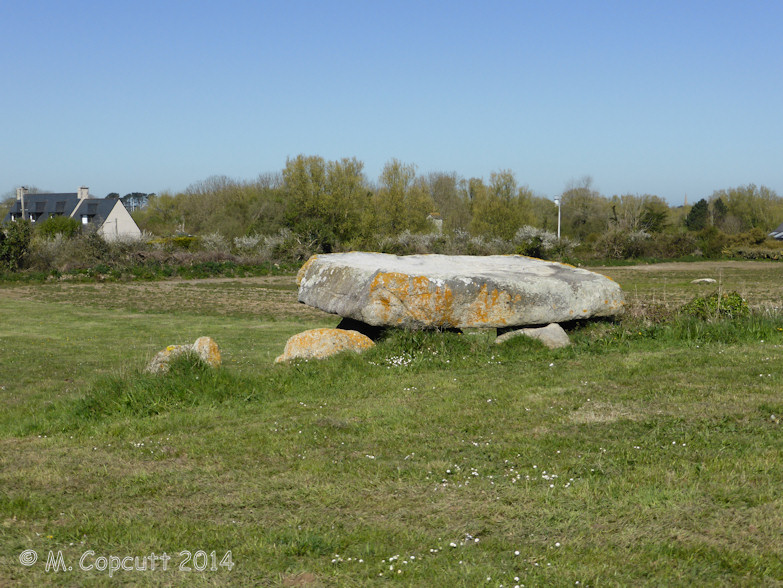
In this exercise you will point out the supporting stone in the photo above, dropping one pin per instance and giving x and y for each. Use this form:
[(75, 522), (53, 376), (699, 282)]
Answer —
[(552, 335)]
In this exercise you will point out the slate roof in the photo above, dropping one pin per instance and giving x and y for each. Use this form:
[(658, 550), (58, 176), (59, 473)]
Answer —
[(42, 206)]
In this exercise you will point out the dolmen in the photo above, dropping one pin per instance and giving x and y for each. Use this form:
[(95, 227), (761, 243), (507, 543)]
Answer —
[(374, 291), (454, 291)]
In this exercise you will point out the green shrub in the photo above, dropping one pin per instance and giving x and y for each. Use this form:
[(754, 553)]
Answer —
[(717, 305), (542, 244), (621, 244), (58, 225), (754, 253), (15, 240), (752, 238), (672, 245), (178, 242)]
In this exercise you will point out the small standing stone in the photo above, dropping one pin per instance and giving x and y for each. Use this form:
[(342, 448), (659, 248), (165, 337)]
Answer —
[(205, 347), (323, 343)]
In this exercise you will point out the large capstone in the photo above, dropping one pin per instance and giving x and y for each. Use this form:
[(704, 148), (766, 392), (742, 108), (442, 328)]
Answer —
[(454, 291)]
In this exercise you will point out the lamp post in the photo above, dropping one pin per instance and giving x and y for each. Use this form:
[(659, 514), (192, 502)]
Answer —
[(557, 201)]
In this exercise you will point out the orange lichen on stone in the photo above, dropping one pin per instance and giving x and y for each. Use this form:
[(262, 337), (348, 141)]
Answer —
[(323, 343), (490, 307), (398, 297), (302, 270), (205, 347), (207, 350), (420, 298)]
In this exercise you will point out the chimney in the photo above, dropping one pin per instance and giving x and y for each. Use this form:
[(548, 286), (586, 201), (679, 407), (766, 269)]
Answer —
[(20, 192), (83, 192)]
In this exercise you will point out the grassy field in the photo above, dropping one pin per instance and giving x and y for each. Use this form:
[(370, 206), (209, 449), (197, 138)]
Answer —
[(645, 454)]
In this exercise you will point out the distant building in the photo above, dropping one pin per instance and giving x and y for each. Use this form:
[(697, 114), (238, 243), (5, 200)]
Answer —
[(109, 217), (437, 221)]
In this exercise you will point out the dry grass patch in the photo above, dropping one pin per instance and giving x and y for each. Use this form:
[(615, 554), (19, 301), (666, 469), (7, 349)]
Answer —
[(602, 412)]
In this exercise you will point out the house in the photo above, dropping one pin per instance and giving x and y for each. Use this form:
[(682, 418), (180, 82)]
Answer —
[(437, 220), (109, 217), (777, 233)]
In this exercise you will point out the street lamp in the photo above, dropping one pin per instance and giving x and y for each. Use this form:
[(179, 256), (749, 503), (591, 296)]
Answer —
[(557, 201)]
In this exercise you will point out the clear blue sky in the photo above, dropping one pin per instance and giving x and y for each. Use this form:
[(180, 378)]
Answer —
[(668, 97)]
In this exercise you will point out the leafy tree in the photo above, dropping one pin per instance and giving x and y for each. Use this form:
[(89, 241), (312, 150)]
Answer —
[(655, 215), (113, 196), (698, 216), (544, 213), (231, 207), (633, 213), (419, 207), (304, 186), (15, 240), (347, 197), (134, 200), (502, 209), (211, 205), (719, 212), (627, 211), (750, 206), (324, 200), (585, 212), (473, 189), (395, 181), (450, 201), (163, 214), (400, 202), (6, 204), (58, 225), (266, 211)]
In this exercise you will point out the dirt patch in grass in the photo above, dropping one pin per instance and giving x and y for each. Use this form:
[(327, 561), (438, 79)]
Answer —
[(303, 579)]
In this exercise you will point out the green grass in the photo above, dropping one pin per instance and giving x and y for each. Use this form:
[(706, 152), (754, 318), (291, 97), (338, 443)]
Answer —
[(645, 454)]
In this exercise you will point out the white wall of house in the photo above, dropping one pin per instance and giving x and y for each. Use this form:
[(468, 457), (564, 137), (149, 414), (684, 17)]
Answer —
[(119, 225)]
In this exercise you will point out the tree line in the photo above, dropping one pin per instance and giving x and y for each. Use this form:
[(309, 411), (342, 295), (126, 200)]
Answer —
[(333, 206), (316, 205)]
